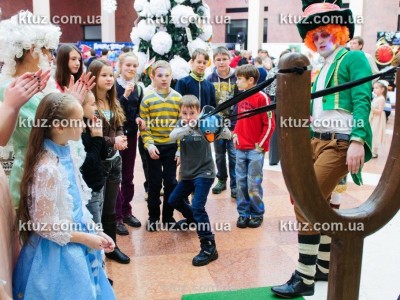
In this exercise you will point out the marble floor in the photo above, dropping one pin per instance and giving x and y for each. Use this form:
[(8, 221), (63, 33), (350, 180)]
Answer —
[(161, 269)]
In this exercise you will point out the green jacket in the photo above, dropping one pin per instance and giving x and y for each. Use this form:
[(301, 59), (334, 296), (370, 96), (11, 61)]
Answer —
[(346, 67)]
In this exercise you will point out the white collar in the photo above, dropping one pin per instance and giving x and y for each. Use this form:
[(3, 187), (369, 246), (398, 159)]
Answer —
[(123, 82)]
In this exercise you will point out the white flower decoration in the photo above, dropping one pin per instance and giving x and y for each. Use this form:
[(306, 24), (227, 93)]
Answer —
[(207, 32), (195, 1), (142, 60), (138, 5), (180, 1), (160, 7), (146, 11), (182, 16), (135, 36), (204, 11), (146, 29), (197, 44), (180, 67), (161, 42)]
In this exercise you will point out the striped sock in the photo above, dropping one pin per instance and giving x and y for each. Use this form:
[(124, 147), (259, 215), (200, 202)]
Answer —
[(308, 251), (324, 254)]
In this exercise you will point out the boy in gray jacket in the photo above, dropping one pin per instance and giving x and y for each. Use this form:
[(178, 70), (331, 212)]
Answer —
[(198, 174)]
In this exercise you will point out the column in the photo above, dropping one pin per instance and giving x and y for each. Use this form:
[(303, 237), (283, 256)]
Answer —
[(107, 25), (357, 7), (255, 28), (41, 8)]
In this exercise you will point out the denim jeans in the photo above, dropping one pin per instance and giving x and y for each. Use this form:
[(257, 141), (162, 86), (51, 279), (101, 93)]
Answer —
[(197, 211), (95, 205), (249, 176), (221, 147), (162, 171)]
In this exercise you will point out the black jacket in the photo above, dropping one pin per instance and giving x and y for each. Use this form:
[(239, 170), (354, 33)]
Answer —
[(92, 168)]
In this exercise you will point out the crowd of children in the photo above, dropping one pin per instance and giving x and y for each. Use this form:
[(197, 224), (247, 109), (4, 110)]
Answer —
[(79, 171)]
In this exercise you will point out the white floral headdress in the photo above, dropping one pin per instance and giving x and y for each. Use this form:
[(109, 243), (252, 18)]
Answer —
[(16, 35), (383, 82)]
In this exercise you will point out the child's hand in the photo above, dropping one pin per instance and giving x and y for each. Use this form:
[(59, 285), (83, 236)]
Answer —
[(110, 243), (235, 140), (96, 127), (141, 123), (153, 152), (120, 139), (95, 241), (130, 87), (178, 160), (259, 149)]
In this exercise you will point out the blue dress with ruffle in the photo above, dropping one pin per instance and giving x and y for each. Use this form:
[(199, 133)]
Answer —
[(47, 270)]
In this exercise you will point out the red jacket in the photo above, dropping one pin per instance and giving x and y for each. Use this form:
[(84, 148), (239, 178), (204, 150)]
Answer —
[(234, 62), (257, 129)]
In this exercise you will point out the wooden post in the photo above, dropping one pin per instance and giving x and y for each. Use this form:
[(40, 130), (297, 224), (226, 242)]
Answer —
[(293, 107)]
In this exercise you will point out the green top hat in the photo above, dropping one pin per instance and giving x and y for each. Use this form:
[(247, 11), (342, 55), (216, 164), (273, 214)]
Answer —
[(319, 13)]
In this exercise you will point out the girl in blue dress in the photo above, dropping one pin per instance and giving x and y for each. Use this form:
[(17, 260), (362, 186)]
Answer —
[(62, 253)]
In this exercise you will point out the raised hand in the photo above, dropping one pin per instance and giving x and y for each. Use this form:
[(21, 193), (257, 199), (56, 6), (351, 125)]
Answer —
[(81, 87), (24, 87)]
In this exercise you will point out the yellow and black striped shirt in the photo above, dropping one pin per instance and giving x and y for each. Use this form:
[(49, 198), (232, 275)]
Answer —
[(161, 115)]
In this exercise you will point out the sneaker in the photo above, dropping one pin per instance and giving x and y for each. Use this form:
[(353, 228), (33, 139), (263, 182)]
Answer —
[(233, 193), (121, 228), (219, 187), (255, 222), (242, 222)]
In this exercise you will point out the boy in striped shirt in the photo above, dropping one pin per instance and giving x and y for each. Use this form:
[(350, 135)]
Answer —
[(251, 139), (160, 110)]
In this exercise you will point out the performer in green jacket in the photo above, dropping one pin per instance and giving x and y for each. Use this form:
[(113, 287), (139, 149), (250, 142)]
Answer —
[(340, 130)]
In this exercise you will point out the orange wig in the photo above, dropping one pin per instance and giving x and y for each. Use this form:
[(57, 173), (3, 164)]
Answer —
[(340, 35)]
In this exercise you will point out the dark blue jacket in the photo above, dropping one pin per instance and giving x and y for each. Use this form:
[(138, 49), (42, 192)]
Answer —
[(263, 75), (203, 90), (130, 107)]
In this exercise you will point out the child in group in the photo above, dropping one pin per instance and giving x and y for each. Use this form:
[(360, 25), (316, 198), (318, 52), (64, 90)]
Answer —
[(15, 96), (198, 174), (377, 117), (195, 83), (251, 139), (68, 62), (160, 110), (61, 260), (130, 95), (224, 80), (96, 151), (112, 117)]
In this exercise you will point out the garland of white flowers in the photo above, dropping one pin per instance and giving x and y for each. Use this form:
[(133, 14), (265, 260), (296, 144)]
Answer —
[(15, 37), (171, 30)]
